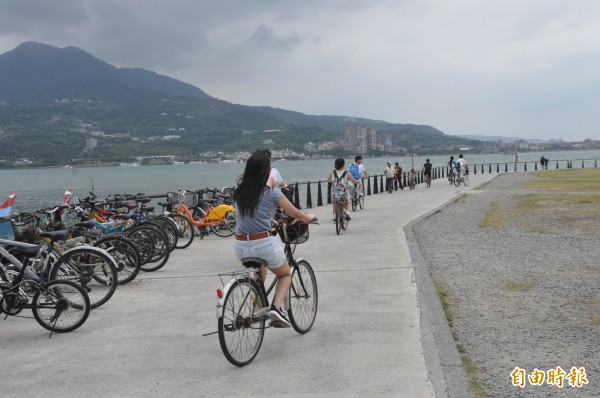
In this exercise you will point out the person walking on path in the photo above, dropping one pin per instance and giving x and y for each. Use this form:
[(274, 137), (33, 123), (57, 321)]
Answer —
[(398, 177), (389, 177)]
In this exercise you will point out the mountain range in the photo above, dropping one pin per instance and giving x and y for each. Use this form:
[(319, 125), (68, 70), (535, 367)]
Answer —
[(55, 97)]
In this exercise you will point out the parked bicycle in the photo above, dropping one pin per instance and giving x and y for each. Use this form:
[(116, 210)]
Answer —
[(58, 305), (244, 300)]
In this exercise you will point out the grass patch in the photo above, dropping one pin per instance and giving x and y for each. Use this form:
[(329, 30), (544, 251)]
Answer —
[(471, 370), (445, 300), (460, 197), (517, 286), (570, 173), (494, 218), (556, 185)]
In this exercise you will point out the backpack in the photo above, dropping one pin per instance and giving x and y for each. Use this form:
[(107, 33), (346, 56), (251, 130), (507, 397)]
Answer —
[(339, 190), (354, 170)]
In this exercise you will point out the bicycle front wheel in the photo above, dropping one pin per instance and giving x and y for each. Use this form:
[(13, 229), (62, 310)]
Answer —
[(457, 181), (303, 296), (61, 306), (185, 230), (240, 332), (125, 254), (361, 201), (466, 180)]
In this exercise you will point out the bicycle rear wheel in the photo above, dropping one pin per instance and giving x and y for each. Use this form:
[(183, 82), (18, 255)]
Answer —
[(61, 306), (354, 201), (457, 181), (338, 219), (227, 227), (303, 296), (91, 268), (240, 332), (466, 180)]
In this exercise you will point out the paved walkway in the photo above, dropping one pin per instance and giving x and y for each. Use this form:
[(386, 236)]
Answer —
[(369, 337)]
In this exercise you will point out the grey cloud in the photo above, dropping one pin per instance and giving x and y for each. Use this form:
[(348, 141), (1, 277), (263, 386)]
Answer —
[(265, 37)]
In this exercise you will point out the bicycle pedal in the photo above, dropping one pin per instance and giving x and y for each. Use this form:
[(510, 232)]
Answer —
[(277, 324)]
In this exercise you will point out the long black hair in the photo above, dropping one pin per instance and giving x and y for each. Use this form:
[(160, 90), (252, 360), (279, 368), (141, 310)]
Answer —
[(252, 183)]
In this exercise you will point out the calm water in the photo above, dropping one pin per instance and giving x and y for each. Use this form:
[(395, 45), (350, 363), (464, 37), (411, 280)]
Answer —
[(37, 188)]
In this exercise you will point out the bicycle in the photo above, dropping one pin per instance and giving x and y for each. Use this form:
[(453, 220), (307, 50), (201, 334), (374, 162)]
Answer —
[(220, 219), (243, 301), (461, 177), (341, 218), (58, 305), (427, 180)]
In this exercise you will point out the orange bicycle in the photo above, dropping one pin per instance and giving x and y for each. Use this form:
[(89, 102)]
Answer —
[(205, 218)]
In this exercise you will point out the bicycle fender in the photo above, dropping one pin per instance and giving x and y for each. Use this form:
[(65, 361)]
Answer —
[(219, 212), (96, 249), (221, 301)]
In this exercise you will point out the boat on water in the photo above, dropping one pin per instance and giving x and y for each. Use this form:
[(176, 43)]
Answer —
[(133, 164), (178, 163)]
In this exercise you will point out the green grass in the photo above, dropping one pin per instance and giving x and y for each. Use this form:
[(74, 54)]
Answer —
[(517, 286), (570, 173)]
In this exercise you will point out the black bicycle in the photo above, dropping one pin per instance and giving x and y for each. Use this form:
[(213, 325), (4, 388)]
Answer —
[(243, 301), (58, 305)]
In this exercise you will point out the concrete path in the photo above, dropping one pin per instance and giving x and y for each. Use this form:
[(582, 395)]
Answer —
[(369, 337)]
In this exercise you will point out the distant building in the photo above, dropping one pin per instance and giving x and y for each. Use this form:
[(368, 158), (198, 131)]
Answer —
[(90, 144), (360, 139)]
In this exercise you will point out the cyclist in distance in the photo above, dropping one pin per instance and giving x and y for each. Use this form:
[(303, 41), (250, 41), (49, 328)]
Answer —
[(338, 178), (255, 204), (357, 169), (462, 164), (451, 168)]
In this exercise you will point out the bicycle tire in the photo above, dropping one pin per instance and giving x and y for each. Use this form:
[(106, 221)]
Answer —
[(125, 254), (304, 297), (457, 181), (169, 228), (354, 203), (160, 254), (92, 269), (65, 306), (466, 180), (338, 225), (240, 334), (199, 215), (7, 279), (142, 241), (361, 201), (185, 231), (227, 227)]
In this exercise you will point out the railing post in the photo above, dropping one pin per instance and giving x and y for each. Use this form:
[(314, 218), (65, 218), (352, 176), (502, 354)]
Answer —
[(368, 186), (595, 162), (490, 168), (308, 196), (381, 182), (375, 186), (404, 182), (319, 195), (557, 165), (481, 168), (582, 164), (328, 192), (535, 165), (297, 196), (506, 167), (497, 167), (525, 166)]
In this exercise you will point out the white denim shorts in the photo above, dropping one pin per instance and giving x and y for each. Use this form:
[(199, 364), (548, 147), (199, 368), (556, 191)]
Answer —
[(269, 249)]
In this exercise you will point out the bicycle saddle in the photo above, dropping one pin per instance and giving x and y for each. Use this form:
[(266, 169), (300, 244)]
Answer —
[(55, 235), (253, 262), (29, 251), (86, 224)]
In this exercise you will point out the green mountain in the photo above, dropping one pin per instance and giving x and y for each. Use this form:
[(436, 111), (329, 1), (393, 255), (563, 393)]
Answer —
[(54, 102)]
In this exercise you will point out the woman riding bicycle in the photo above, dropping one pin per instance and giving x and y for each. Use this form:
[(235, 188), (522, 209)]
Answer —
[(255, 204)]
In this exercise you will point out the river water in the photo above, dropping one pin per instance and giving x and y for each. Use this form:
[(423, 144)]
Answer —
[(37, 188)]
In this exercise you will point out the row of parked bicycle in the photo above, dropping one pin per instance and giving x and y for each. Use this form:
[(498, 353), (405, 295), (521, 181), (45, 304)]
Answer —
[(61, 262)]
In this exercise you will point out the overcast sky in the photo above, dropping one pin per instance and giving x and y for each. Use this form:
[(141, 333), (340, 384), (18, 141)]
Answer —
[(507, 67)]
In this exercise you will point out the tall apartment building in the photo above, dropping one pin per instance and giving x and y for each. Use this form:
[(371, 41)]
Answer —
[(360, 139)]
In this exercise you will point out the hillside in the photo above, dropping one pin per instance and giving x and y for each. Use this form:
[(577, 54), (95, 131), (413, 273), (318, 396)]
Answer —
[(53, 98)]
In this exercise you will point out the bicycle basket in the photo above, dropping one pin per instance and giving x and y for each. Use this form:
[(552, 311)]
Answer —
[(24, 232), (190, 199), (295, 233), (172, 198)]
